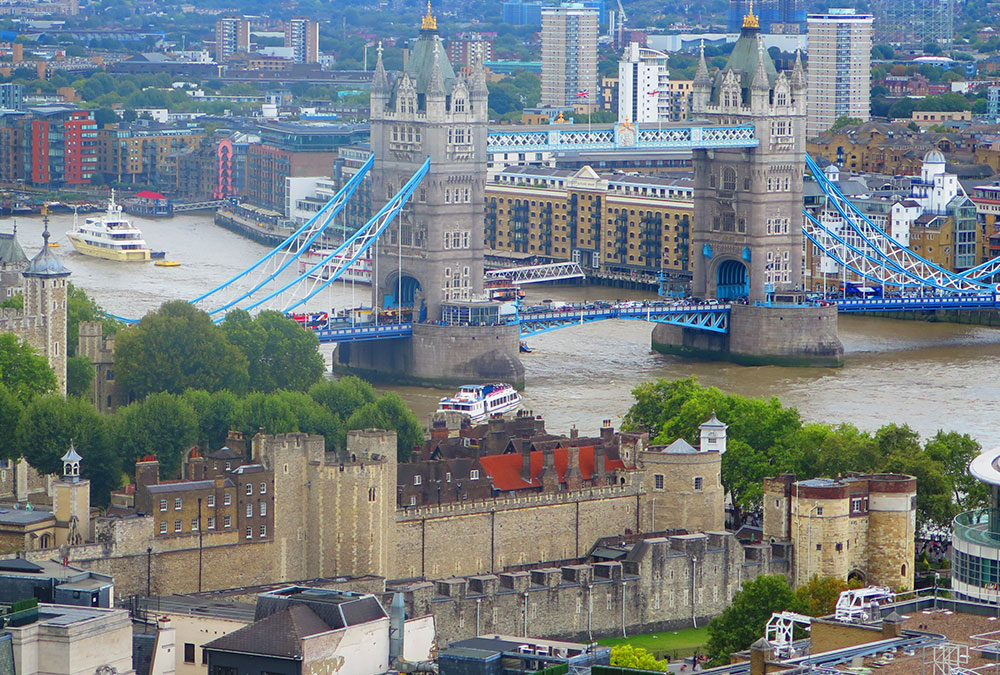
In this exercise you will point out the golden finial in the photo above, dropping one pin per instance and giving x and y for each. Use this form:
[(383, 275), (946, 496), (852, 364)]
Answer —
[(750, 21), (429, 22), (560, 119)]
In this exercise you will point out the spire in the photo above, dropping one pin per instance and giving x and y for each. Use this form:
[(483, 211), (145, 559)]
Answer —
[(435, 85), (380, 81), (760, 80), (44, 264), (478, 85), (798, 72), (429, 22), (701, 75), (749, 21)]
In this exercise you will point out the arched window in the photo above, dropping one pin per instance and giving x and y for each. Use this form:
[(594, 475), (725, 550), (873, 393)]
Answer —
[(729, 179)]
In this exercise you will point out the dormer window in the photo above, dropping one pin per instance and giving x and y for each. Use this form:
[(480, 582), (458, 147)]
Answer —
[(459, 105)]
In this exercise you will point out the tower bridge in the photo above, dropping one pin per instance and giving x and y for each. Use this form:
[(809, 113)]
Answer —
[(430, 145)]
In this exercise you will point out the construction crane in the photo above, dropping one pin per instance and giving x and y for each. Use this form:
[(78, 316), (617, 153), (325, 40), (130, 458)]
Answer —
[(621, 13)]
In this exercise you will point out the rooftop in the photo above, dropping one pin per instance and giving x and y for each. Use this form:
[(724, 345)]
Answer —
[(195, 606), (505, 470)]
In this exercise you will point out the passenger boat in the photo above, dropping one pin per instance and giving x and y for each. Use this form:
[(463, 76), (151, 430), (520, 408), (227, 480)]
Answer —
[(503, 290), (110, 236), (359, 272), (480, 401), (524, 348)]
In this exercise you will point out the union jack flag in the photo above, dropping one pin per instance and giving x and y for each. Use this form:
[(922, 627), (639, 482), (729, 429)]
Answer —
[(583, 93), (654, 93)]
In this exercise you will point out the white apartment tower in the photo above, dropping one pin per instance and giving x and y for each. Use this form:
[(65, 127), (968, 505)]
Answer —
[(643, 85), (569, 56), (302, 35), (839, 71)]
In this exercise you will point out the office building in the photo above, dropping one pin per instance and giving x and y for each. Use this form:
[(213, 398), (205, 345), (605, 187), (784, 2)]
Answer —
[(302, 36), (232, 37), (643, 85), (11, 96), (839, 72), (468, 49), (569, 56), (914, 23)]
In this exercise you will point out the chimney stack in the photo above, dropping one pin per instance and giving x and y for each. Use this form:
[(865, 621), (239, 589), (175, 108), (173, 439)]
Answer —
[(526, 462), (574, 479), (600, 477), (607, 431), (549, 478)]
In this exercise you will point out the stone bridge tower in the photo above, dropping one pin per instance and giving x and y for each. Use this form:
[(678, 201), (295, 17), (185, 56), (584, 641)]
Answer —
[(747, 235), (429, 111)]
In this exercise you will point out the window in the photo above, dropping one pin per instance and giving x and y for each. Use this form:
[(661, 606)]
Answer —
[(249, 488), (658, 481), (698, 483), (819, 547), (163, 527), (194, 524), (474, 474), (263, 509), (177, 504), (263, 488), (249, 510), (211, 522), (163, 504), (413, 500), (839, 546), (263, 531), (417, 479), (227, 521), (447, 477), (177, 526), (819, 510), (856, 504), (211, 501), (227, 499), (249, 533), (188, 652)]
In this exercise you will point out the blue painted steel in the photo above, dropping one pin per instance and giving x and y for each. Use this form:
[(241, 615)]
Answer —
[(343, 194), (733, 281), (364, 332), (713, 318), (573, 138), (929, 302)]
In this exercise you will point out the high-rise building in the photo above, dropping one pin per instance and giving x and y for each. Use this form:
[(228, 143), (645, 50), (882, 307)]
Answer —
[(302, 35), (914, 23), (468, 49), (643, 85), (775, 16), (839, 73), (11, 96), (569, 56), (232, 36)]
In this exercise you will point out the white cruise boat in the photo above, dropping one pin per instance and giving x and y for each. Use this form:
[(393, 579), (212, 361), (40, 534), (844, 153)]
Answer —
[(110, 236), (359, 272), (480, 401)]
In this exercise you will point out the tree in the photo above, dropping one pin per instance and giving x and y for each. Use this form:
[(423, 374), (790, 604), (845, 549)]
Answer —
[(51, 423), (627, 656), (280, 354), (163, 425), (342, 397), (22, 371), (267, 413), (175, 348), (11, 412), (389, 412), (744, 620), (216, 412), (845, 121), (314, 418), (79, 376), (819, 595), (954, 452)]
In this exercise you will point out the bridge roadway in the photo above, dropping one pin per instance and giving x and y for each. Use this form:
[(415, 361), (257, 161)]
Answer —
[(713, 317)]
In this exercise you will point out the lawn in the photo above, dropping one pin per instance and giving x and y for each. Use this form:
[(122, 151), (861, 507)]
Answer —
[(668, 643)]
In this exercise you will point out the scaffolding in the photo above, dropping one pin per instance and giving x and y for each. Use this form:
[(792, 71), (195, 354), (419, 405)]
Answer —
[(914, 23)]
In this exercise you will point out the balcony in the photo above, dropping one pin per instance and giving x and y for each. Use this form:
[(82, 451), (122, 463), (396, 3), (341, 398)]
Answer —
[(980, 527)]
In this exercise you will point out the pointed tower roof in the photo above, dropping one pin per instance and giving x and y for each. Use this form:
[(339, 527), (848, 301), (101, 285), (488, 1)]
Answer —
[(380, 80), (435, 84), (746, 55), (11, 252), (760, 75), (713, 422), (71, 455), (44, 264), (798, 72), (701, 76), (478, 79), (426, 50)]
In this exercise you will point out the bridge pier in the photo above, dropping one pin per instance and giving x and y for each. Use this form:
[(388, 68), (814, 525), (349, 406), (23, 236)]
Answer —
[(762, 335), (438, 355)]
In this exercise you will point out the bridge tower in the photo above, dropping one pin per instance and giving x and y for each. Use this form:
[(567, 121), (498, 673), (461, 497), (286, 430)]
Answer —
[(429, 111), (747, 235)]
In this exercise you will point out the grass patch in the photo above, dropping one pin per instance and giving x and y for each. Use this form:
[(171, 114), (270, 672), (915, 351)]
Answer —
[(673, 644)]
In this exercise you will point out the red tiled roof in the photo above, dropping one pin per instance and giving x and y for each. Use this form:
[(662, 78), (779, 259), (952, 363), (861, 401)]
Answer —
[(505, 470), (148, 458)]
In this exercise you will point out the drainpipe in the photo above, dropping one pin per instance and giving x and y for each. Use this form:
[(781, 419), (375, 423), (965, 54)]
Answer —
[(590, 612), (525, 615), (694, 572), (623, 609), (479, 602)]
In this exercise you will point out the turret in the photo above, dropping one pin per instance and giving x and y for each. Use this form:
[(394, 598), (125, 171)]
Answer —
[(380, 86), (435, 94), (701, 88), (760, 86), (479, 93), (798, 79)]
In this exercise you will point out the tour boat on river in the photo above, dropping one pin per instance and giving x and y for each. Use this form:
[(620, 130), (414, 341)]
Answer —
[(110, 236), (480, 401), (360, 271)]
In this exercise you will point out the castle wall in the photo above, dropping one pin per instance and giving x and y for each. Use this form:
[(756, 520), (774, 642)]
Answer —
[(497, 533), (676, 504), (664, 584)]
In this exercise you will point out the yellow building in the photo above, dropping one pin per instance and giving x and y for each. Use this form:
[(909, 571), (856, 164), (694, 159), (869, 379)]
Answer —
[(612, 222), (136, 155), (680, 99)]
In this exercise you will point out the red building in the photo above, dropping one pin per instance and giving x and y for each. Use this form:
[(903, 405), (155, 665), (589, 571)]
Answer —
[(60, 145)]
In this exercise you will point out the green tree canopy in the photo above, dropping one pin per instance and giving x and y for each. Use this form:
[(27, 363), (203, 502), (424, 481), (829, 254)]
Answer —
[(23, 371), (81, 307), (627, 656), (164, 425), (280, 354), (743, 621), (389, 412), (79, 376), (175, 348), (344, 396), (819, 595)]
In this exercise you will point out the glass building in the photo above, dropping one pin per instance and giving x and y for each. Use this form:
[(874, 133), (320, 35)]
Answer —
[(976, 538)]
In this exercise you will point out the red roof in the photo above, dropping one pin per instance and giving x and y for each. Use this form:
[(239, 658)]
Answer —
[(149, 194), (505, 470), (148, 458)]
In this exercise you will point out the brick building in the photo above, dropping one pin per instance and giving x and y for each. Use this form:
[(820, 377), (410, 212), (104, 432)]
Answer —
[(139, 153), (48, 145)]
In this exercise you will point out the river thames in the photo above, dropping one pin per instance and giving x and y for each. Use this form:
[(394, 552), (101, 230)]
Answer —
[(927, 375)]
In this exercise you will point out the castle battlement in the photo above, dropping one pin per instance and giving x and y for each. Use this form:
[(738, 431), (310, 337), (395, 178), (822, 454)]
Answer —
[(516, 502)]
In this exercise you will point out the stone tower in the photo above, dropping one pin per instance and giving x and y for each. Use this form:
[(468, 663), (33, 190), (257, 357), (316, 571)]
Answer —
[(45, 280), (747, 236), (71, 502), (429, 111)]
